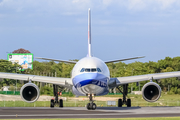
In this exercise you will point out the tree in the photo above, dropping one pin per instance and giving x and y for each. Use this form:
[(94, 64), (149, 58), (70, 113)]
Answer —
[(21, 50), (7, 66), (118, 69)]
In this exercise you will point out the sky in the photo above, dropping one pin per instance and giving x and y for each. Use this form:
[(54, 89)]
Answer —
[(120, 28)]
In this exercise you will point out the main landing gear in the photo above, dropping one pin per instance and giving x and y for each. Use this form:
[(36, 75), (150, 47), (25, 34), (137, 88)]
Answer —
[(55, 102), (124, 90), (91, 105)]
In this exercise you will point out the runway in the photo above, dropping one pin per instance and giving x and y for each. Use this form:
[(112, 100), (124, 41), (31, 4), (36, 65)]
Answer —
[(82, 112)]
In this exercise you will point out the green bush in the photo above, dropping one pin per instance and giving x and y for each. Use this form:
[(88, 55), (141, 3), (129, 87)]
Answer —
[(46, 91), (69, 94)]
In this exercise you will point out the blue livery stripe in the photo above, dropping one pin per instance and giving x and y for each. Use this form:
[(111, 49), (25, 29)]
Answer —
[(94, 82), (90, 78)]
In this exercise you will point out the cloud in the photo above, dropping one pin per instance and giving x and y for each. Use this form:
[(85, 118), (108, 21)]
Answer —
[(73, 7), (164, 4), (45, 5), (140, 5), (107, 2), (135, 4)]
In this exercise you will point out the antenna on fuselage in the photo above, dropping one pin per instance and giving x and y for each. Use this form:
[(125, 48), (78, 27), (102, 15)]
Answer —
[(89, 33)]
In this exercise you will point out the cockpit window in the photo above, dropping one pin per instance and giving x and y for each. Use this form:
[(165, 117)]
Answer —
[(87, 70), (93, 69), (98, 69), (90, 70), (82, 70)]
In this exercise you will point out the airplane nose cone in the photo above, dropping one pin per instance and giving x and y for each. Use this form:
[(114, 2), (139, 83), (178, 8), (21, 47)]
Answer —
[(90, 78), (91, 83)]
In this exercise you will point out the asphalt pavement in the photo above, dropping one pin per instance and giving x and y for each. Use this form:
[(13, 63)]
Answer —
[(82, 112)]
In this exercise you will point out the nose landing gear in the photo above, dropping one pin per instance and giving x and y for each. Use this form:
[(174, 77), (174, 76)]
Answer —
[(91, 105)]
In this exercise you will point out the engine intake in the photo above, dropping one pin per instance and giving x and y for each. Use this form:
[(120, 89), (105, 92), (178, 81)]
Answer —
[(151, 91), (29, 92)]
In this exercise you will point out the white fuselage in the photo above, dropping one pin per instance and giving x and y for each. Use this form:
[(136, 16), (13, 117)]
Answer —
[(90, 75)]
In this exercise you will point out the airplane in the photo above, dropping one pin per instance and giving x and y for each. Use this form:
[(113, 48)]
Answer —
[(90, 77)]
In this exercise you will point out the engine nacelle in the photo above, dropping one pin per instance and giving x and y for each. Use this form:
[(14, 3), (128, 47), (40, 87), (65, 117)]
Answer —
[(151, 91), (29, 92)]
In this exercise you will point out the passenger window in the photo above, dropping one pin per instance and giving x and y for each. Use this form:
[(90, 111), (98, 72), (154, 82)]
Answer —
[(93, 69), (87, 70), (82, 70), (98, 69)]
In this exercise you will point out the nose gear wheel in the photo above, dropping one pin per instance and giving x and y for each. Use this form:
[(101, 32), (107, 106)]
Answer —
[(91, 105)]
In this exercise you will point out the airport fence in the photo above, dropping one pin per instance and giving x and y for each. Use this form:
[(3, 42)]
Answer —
[(10, 92), (77, 103)]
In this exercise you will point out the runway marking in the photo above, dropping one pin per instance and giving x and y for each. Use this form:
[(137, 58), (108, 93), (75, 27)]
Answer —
[(99, 113), (58, 115), (40, 115)]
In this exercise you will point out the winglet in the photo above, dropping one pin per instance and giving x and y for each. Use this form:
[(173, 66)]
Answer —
[(89, 33)]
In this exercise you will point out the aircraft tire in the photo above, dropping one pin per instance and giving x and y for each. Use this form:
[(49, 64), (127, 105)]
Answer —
[(120, 103), (61, 103), (128, 102), (93, 106), (88, 106), (52, 103)]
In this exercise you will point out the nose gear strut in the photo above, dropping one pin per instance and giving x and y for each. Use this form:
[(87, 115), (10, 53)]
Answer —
[(91, 105)]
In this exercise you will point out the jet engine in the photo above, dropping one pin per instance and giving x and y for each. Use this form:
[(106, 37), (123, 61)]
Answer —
[(29, 92), (151, 91)]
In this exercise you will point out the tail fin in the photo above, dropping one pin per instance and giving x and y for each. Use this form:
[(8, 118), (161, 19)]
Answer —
[(89, 33)]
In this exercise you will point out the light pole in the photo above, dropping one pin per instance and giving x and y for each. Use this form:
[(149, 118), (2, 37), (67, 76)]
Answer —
[(14, 88), (16, 79), (132, 83), (139, 86)]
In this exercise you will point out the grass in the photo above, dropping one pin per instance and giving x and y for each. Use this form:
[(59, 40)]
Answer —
[(80, 104), (68, 103), (137, 100), (153, 118)]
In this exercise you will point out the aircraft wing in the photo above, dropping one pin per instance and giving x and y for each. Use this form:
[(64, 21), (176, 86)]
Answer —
[(66, 61), (113, 82), (66, 82), (124, 59)]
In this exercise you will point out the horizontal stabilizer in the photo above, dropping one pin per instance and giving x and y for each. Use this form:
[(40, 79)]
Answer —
[(66, 61), (124, 59)]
